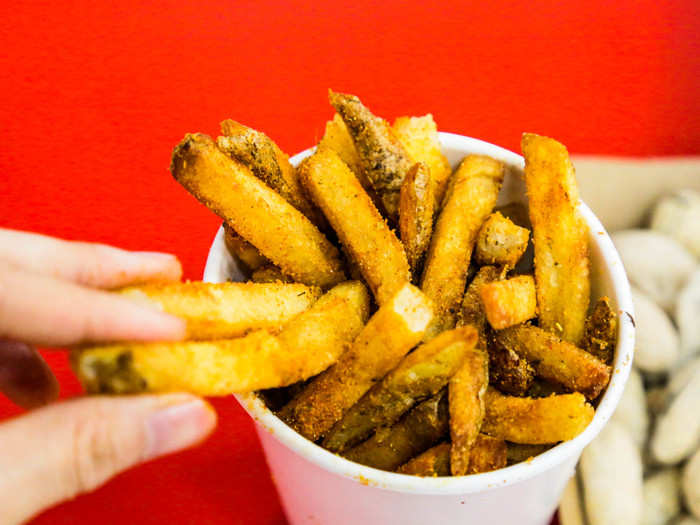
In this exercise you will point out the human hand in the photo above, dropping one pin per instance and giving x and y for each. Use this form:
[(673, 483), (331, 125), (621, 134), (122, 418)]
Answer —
[(51, 294)]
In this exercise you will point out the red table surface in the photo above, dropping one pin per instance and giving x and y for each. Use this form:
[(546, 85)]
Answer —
[(96, 94)]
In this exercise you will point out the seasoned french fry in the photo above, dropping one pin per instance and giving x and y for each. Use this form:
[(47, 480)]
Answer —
[(307, 345), (416, 207), (539, 421), (392, 331), (601, 331), (466, 392), (421, 374), (469, 201), (508, 371), (509, 302), (280, 231), (384, 159), (391, 447), (472, 311), (243, 251), (269, 274), (434, 462), (225, 310), (420, 138), (557, 360), (267, 162), (362, 230), (518, 452), (560, 235), (337, 137), (486, 454), (500, 241)]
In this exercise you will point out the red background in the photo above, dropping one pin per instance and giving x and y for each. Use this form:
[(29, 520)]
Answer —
[(95, 95)]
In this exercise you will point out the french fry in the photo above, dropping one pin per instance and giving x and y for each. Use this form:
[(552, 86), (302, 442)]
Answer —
[(384, 159), (421, 374), (539, 421), (307, 345), (560, 236), (267, 162), (416, 207), (243, 251), (557, 360), (472, 311), (226, 310), (391, 447), (392, 331), (269, 274), (500, 241), (434, 462), (486, 454), (600, 331), (509, 302), (280, 231), (362, 230), (517, 452), (420, 138), (337, 137), (466, 393), (508, 371), (469, 201)]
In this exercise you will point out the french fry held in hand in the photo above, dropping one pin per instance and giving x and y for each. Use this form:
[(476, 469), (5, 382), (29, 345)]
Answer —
[(510, 301), (557, 360), (416, 207), (261, 216), (226, 310), (363, 232), (541, 421), (560, 236), (391, 332), (500, 241), (421, 374), (469, 200), (434, 462), (307, 345)]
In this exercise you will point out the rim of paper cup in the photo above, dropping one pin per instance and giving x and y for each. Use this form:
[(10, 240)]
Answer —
[(488, 480)]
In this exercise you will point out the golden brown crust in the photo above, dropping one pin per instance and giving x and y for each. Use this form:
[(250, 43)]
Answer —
[(600, 333), (500, 241), (472, 311), (243, 251), (269, 273), (487, 454), (416, 207), (510, 301), (280, 231), (560, 236), (434, 462), (508, 371), (337, 137)]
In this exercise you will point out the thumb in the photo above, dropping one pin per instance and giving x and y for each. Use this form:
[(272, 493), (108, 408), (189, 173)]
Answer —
[(60, 451)]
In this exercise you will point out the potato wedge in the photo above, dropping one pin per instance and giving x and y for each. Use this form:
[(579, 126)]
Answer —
[(560, 236), (500, 241), (226, 310), (337, 137), (308, 344), (281, 232), (243, 251), (509, 302), (557, 360), (434, 462), (469, 201), (539, 421), (421, 374), (472, 311), (392, 331), (416, 207), (486, 454), (600, 334), (362, 230), (508, 371)]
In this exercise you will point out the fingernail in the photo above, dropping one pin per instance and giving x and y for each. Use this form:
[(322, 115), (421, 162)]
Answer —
[(175, 427)]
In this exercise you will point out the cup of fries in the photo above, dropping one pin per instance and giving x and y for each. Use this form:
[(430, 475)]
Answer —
[(318, 486)]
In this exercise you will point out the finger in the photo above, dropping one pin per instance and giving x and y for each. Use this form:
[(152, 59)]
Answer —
[(65, 449), (89, 264), (25, 378), (44, 311)]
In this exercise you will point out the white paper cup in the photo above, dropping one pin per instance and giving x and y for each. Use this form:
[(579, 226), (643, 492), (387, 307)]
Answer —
[(318, 487)]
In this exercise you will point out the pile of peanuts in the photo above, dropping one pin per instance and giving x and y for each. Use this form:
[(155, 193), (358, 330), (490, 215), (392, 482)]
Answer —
[(644, 467)]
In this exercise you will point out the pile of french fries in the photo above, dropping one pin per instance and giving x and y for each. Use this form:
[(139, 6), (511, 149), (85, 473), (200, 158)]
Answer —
[(392, 314)]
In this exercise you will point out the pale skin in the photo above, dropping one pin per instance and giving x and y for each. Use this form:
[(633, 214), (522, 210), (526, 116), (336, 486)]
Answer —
[(52, 293)]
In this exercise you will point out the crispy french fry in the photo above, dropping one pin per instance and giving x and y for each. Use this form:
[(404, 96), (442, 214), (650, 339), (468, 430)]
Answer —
[(416, 207), (225, 310), (466, 392), (500, 241), (469, 201), (518, 452), (384, 159), (601, 331), (269, 274), (280, 231), (337, 137), (434, 462), (509, 302), (539, 421), (557, 360), (421, 374), (560, 235), (362, 230), (472, 311), (267, 162), (243, 251), (307, 345), (392, 331), (508, 371), (486, 454), (420, 138), (420, 429)]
